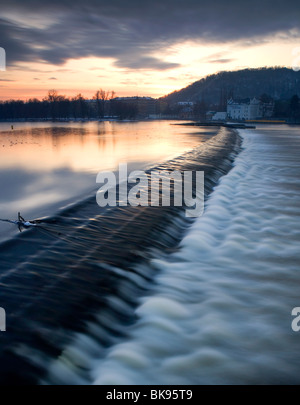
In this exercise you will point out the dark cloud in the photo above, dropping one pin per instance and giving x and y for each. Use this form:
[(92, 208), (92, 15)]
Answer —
[(16, 48), (224, 60), (52, 78), (6, 80), (133, 61), (133, 31), (219, 57)]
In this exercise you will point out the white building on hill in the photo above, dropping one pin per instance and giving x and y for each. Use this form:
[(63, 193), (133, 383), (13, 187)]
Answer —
[(244, 109)]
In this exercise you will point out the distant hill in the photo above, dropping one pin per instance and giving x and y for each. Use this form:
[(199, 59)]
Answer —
[(279, 83)]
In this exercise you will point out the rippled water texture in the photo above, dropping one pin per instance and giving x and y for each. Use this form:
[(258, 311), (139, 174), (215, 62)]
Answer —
[(220, 311), (146, 296), (80, 272)]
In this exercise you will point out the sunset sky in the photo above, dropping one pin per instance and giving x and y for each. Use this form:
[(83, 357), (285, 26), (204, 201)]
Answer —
[(144, 48)]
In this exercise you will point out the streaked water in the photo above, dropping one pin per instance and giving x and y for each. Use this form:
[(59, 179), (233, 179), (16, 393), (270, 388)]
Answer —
[(79, 274), (147, 297), (220, 312)]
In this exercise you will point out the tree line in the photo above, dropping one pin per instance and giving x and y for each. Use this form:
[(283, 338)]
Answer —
[(286, 109), (105, 104), (56, 106)]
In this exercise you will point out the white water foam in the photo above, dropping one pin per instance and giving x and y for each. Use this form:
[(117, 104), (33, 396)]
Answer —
[(220, 311)]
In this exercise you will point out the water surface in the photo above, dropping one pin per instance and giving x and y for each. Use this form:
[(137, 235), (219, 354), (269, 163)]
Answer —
[(44, 166), (220, 312), (79, 274)]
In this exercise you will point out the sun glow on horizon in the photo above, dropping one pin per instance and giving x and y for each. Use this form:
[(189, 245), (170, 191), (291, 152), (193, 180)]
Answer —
[(192, 61)]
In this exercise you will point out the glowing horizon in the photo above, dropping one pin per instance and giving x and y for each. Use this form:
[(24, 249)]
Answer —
[(138, 51)]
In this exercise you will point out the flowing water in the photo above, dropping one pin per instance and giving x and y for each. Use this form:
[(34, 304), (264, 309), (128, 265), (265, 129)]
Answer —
[(220, 310), (46, 166), (144, 295)]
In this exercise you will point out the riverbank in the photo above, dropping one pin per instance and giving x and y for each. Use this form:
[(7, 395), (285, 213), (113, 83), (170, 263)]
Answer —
[(234, 125)]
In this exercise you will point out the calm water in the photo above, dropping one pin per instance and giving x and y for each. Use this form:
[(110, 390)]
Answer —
[(44, 166)]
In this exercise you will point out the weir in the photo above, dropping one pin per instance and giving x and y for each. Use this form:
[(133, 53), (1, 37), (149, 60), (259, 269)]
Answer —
[(55, 287)]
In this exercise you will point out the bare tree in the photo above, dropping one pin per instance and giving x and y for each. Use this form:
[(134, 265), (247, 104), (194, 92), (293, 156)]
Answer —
[(56, 102), (79, 106), (101, 96)]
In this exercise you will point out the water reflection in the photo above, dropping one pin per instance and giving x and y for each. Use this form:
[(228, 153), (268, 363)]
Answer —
[(91, 146), (43, 165)]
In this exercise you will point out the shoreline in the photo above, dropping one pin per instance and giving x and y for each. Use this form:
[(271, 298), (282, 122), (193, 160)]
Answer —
[(141, 118)]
